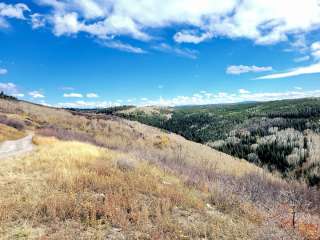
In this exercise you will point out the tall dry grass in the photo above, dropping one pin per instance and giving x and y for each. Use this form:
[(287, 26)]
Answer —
[(71, 190), (9, 133)]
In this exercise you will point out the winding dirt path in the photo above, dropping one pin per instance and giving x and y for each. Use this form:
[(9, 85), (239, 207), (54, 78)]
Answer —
[(17, 147)]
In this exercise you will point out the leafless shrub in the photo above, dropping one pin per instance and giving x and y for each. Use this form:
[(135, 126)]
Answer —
[(125, 164), (258, 188), (295, 200), (17, 124), (225, 201), (66, 134)]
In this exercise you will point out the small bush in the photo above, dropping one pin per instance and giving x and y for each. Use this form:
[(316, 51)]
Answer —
[(162, 141), (125, 164), (17, 124), (67, 135), (225, 202)]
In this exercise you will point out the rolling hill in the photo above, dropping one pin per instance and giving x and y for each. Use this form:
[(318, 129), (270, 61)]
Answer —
[(98, 176), (280, 135)]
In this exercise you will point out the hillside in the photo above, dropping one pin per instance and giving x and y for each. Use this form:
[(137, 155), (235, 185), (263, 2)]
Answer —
[(281, 135), (97, 176)]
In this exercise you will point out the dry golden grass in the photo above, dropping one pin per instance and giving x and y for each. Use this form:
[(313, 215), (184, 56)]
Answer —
[(68, 190), (127, 136), (9, 133)]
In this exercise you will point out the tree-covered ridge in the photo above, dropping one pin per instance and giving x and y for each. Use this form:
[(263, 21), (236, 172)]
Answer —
[(7, 97), (281, 135)]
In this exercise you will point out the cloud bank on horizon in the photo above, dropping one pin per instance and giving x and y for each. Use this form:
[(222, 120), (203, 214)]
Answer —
[(138, 27)]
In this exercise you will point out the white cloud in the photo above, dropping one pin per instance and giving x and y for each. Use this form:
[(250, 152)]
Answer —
[(88, 104), (188, 36), (311, 69), (12, 11), (298, 88), (201, 99), (299, 43), (240, 69), (243, 91), (182, 52), (72, 95), (315, 50), (3, 71), (9, 88), (18, 95), (36, 94), (92, 95), (38, 20), (264, 22), (123, 47), (219, 98), (66, 24), (302, 59)]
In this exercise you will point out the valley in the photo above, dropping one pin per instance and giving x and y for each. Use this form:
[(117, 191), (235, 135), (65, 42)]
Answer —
[(282, 136)]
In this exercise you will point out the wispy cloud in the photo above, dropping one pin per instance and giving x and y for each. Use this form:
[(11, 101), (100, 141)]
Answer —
[(243, 91), (3, 71), (92, 95), (72, 95), (18, 95), (182, 52), (264, 22), (12, 11), (240, 69), (302, 59), (36, 94), (9, 88), (88, 104), (38, 20), (223, 97), (315, 50), (311, 69), (201, 98), (191, 36), (122, 47)]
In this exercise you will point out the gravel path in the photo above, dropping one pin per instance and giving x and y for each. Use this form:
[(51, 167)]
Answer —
[(13, 148)]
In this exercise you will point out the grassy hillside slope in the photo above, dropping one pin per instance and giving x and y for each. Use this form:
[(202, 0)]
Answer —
[(94, 176), (281, 135)]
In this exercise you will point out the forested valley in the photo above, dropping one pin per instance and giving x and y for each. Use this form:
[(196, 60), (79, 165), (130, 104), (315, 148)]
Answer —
[(283, 136)]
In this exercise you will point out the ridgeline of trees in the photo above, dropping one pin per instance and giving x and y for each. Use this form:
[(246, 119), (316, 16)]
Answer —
[(7, 97)]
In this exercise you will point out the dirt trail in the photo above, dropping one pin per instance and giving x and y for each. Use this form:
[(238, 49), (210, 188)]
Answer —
[(13, 148)]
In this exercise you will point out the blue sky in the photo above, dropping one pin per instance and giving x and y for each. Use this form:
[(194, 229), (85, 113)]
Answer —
[(96, 53)]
